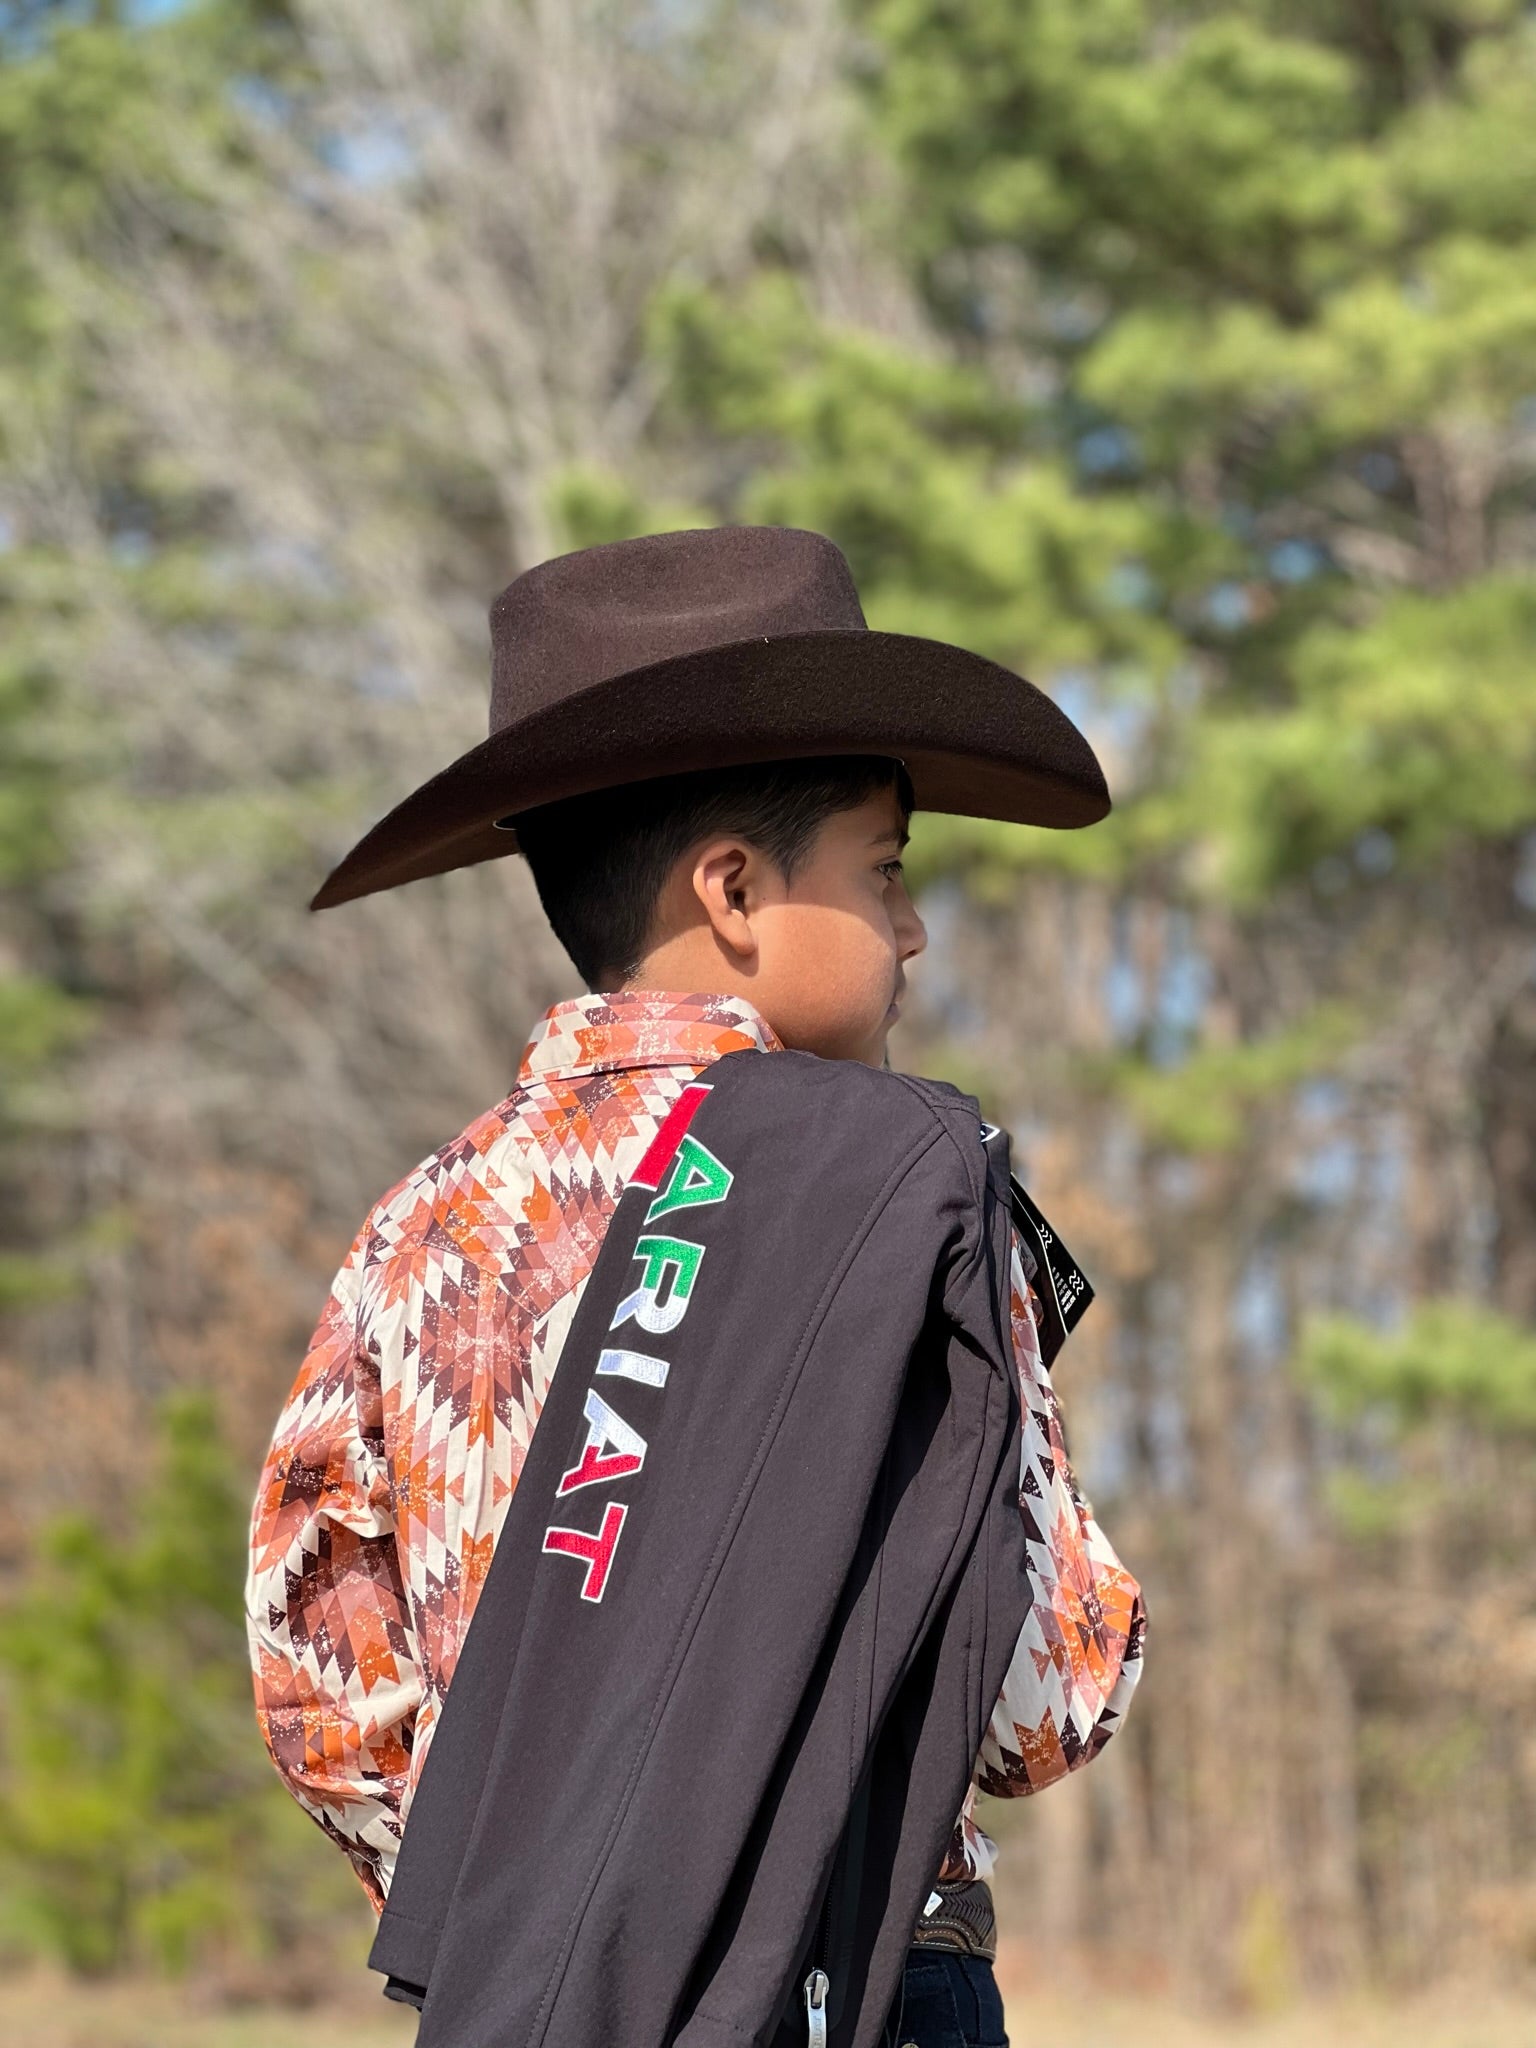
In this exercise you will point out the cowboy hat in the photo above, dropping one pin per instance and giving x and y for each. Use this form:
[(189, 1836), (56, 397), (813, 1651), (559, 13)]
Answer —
[(712, 648)]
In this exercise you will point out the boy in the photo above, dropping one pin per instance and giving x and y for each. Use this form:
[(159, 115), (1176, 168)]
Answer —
[(752, 902)]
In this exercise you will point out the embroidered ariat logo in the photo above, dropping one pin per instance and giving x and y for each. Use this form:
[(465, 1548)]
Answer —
[(686, 1175)]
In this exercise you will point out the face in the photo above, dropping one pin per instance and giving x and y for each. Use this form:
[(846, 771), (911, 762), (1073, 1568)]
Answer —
[(821, 956), (832, 944)]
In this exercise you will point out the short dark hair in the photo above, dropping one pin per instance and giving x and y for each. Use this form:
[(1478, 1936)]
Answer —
[(600, 861)]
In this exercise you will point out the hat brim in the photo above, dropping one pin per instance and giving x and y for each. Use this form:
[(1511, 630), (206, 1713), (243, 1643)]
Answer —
[(977, 740)]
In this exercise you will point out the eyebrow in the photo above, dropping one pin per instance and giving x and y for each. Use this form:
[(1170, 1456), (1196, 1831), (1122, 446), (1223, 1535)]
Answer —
[(896, 839)]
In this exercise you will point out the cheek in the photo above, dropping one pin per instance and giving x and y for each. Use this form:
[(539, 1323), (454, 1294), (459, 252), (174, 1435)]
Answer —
[(842, 961)]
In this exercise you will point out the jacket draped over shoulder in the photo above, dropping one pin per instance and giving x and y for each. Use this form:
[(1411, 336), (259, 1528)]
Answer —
[(755, 1597)]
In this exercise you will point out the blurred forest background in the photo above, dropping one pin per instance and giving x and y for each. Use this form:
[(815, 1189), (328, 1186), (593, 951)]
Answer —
[(1182, 356)]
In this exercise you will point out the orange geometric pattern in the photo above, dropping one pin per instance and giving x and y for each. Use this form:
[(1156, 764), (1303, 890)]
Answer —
[(1078, 1658), (401, 1441)]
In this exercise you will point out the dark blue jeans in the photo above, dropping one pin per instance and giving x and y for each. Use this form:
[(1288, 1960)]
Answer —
[(946, 2001)]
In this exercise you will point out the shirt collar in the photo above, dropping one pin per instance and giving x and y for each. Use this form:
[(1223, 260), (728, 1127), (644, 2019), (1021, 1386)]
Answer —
[(641, 1028)]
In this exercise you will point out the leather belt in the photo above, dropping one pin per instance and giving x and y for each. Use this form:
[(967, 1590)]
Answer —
[(963, 1921)]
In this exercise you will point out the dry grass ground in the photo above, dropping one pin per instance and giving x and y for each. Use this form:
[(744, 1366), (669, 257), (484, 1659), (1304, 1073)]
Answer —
[(42, 2011)]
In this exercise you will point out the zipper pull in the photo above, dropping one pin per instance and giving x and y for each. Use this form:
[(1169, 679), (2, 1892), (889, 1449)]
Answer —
[(816, 2009)]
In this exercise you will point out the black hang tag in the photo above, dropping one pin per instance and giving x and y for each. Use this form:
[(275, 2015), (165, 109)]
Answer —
[(1059, 1282)]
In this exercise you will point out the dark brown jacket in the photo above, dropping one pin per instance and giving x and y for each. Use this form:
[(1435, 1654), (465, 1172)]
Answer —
[(782, 1445)]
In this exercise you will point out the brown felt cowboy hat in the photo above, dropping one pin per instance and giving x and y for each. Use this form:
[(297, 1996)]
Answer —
[(710, 649)]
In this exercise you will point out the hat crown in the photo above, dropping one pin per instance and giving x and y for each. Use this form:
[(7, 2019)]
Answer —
[(601, 611)]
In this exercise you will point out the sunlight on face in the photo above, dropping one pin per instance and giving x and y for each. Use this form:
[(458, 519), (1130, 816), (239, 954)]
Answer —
[(834, 940)]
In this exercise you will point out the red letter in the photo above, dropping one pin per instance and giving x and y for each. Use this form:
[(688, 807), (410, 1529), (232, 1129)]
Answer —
[(597, 1550)]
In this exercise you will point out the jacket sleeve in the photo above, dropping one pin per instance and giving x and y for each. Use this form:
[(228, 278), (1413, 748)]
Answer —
[(1078, 1659), (333, 1655)]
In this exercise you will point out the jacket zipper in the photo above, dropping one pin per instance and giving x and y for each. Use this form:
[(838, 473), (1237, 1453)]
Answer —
[(846, 1865), (817, 1984), (816, 1988)]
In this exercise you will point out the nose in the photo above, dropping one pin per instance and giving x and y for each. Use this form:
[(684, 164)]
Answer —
[(911, 932)]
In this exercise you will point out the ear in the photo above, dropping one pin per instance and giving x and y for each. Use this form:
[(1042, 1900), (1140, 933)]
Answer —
[(728, 880)]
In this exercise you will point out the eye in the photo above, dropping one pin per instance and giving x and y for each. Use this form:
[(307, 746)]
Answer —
[(891, 869)]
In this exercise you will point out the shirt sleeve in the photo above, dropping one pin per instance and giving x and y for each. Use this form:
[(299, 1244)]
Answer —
[(333, 1654), (1078, 1658)]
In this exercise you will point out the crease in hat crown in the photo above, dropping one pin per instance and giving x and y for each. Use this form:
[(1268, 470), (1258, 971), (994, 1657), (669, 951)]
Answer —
[(602, 611)]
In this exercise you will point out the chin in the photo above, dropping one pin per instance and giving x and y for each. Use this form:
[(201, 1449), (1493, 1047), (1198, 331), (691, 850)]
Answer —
[(843, 1045), (876, 1054)]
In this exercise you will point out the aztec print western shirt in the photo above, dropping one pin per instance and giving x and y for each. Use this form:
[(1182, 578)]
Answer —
[(400, 1444)]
